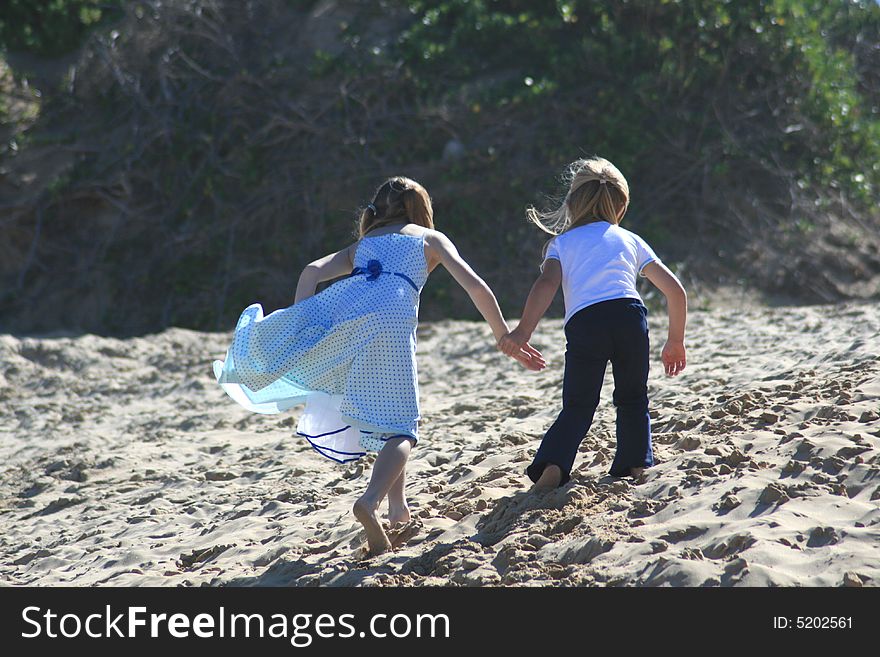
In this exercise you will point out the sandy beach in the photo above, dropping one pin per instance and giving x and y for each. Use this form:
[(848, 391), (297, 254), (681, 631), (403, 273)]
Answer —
[(124, 464)]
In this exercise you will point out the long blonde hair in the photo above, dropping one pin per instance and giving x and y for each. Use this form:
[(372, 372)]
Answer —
[(597, 191), (397, 199)]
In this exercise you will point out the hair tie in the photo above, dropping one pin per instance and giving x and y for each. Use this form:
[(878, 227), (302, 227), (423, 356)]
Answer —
[(602, 181), (373, 208)]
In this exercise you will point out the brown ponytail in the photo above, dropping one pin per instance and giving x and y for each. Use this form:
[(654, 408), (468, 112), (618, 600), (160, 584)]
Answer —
[(418, 206), (397, 200)]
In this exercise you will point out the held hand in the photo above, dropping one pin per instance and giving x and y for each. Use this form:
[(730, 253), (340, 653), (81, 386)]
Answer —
[(530, 358), (516, 345), (513, 342), (674, 358)]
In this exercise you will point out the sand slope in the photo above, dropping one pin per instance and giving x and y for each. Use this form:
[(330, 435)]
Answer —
[(124, 464)]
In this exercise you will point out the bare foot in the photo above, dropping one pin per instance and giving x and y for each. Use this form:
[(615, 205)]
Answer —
[(638, 475), (398, 515), (549, 479), (376, 538)]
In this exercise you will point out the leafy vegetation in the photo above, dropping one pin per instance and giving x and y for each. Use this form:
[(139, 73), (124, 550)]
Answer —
[(51, 27), (219, 146), (783, 81)]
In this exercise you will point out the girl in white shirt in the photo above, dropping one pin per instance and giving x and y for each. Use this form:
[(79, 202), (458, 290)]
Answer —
[(596, 262)]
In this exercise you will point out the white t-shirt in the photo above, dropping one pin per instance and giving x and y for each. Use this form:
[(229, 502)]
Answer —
[(600, 261)]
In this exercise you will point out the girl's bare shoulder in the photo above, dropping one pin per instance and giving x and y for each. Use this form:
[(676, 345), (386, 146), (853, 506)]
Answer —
[(437, 246), (435, 238), (419, 231)]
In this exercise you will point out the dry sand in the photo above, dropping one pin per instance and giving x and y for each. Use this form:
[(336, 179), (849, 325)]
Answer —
[(123, 463)]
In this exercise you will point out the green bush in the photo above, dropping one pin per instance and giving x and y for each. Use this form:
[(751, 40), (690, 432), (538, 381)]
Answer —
[(792, 82), (51, 27), (221, 145)]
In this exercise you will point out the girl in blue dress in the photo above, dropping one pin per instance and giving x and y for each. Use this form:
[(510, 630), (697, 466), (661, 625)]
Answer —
[(349, 352)]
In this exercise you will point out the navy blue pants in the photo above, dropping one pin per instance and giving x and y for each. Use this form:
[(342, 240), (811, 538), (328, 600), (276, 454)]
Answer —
[(615, 331)]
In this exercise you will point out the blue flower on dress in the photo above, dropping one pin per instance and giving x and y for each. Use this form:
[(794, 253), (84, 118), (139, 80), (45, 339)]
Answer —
[(374, 268)]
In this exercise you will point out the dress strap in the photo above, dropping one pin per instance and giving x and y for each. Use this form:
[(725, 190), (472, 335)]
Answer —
[(374, 269), (408, 280)]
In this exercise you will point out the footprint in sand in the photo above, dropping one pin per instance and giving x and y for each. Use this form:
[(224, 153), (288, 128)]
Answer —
[(688, 533), (399, 535), (773, 494), (729, 546), (728, 502), (822, 536)]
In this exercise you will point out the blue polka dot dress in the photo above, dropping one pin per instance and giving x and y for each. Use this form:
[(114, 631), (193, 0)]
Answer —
[(348, 353)]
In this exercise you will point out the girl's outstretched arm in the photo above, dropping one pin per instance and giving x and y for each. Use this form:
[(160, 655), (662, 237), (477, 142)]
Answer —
[(674, 355), (480, 294), (326, 268), (539, 299)]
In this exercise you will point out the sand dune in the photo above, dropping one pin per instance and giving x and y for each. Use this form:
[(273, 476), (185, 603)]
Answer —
[(124, 464)]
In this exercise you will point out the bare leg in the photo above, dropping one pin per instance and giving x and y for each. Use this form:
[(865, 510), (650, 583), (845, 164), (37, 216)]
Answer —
[(387, 469), (549, 479), (398, 510)]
